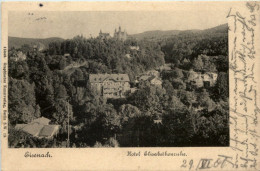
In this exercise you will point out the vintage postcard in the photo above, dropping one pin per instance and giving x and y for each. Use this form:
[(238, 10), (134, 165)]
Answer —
[(130, 86)]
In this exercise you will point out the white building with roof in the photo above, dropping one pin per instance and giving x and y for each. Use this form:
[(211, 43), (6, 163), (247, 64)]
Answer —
[(39, 128), (202, 79), (110, 85)]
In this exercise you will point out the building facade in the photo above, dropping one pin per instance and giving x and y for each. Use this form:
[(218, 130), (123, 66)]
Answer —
[(207, 79), (104, 35), (110, 85), (120, 35)]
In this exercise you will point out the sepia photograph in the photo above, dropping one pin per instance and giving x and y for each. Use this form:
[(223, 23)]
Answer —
[(130, 86), (117, 79)]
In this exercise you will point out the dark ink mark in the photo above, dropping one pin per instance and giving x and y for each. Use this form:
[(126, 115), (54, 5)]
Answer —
[(40, 18), (40, 5)]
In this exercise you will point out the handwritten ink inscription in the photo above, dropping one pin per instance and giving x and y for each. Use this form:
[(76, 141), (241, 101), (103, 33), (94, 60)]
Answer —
[(206, 163), (244, 107)]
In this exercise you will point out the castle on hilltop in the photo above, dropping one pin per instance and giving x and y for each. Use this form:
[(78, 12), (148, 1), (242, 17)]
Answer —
[(104, 35), (120, 35)]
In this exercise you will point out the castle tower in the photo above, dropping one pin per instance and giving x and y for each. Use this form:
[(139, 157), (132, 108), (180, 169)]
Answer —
[(120, 35)]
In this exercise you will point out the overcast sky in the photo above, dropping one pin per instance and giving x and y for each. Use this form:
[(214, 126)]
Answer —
[(69, 24)]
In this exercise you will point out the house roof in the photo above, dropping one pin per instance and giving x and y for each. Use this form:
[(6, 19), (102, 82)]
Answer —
[(154, 78), (166, 67), (134, 47), (19, 126), (31, 128), (198, 75), (42, 120), (97, 78), (144, 77), (39, 127), (48, 130)]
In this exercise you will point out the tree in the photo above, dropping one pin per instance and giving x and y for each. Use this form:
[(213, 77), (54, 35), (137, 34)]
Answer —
[(198, 64), (178, 84), (60, 92), (222, 63), (127, 111), (41, 75), (61, 111), (62, 63), (222, 85), (111, 142), (167, 85), (208, 63), (187, 97), (178, 127), (175, 104), (22, 103), (212, 127), (77, 75), (18, 69), (106, 124), (205, 101), (149, 99)]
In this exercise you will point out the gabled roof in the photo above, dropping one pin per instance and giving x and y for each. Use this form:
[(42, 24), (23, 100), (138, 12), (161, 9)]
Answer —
[(31, 128), (19, 126), (48, 130), (39, 127), (97, 78), (154, 78), (149, 78), (144, 78), (42, 120)]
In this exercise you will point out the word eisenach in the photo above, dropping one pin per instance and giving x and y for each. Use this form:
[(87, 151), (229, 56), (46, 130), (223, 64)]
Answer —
[(158, 153), (29, 154)]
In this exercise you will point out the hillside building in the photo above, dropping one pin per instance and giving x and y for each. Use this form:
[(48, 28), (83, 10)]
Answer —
[(104, 35), (110, 85), (153, 80), (165, 67), (134, 48), (39, 128), (120, 35), (207, 79), (18, 56), (151, 76)]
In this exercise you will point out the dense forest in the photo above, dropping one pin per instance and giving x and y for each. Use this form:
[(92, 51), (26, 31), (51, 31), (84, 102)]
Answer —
[(54, 85)]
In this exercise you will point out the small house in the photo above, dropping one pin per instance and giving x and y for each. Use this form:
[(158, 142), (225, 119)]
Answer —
[(39, 128), (134, 47), (207, 79)]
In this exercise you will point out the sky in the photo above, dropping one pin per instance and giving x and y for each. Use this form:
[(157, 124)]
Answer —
[(44, 24)]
